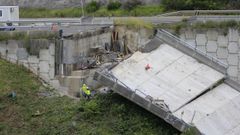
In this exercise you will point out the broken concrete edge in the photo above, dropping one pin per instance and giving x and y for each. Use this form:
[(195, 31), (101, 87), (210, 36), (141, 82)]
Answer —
[(151, 45), (89, 34), (144, 103), (200, 57), (211, 87)]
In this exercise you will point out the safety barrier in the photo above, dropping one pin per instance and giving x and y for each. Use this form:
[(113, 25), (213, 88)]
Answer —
[(165, 35)]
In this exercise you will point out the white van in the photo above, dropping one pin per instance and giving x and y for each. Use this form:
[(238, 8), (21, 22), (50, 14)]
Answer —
[(9, 13)]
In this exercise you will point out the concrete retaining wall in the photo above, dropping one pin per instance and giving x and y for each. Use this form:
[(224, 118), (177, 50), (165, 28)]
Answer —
[(40, 61), (224, 45), (77, 49)]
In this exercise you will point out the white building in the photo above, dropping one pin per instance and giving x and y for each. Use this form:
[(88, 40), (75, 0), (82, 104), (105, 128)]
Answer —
[(9, 13)]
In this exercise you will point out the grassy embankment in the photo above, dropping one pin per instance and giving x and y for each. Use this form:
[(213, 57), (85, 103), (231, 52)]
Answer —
[(149, 10), (224, 26), (39, 110)]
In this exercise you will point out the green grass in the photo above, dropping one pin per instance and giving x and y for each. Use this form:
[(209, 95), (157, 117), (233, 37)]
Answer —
[(134, 23), (200, 25), (33, 114), (148, 10), (21, 35), (49, 13)]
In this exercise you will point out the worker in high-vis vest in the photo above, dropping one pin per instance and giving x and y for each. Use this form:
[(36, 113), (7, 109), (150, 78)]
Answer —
[(86, 91)]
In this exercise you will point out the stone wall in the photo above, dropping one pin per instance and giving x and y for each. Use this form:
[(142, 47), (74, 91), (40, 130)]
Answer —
[(41, 61), (222, 44)]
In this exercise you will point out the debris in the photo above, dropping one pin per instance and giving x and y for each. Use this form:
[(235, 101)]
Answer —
[(37, 113), (12, 95), (147, 67)]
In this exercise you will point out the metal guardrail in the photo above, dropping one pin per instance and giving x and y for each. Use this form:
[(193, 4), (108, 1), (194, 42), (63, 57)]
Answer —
[(214, 59), (216, 18), (49, 21), (198, 12)]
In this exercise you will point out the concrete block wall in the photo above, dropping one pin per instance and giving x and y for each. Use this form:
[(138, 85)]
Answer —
[(42, 64), (224, 45)]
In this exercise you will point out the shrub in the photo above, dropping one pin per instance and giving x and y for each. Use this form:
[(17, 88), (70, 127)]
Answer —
[(113, 5), (130, 4), (92, 6), (193, 4)]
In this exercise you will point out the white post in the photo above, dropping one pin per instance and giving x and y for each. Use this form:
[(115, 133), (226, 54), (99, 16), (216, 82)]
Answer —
[(82, 8)]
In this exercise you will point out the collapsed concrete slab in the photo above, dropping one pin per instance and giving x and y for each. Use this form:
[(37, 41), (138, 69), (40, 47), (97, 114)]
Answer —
[(177, 88), (173, 77), (214, 113)]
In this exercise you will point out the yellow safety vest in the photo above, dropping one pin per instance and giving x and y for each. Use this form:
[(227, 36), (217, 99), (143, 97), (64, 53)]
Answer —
[(85, 90)]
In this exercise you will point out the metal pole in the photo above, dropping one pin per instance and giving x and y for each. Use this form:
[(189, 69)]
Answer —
[(82, 8)]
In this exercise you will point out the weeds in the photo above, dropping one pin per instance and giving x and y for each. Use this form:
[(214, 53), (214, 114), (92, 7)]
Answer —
[(30, 113), (148, 10), (134, 23), (20, 35), (200, 25)]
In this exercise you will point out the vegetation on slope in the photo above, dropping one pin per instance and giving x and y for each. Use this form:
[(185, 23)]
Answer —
[(149, 10), (39, 110), (201, 25), (134, 23), (200, 4), (129, 8)]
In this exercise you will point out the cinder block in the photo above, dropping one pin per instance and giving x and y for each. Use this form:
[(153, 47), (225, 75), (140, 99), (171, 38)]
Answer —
[(52, 61), (233, 47), (222, 41), (222, 53), (44, 66), (212, 35), (233, 35), (212, 46), (44, 55), (201, 39), (52, 49), (12, 47), (33, 59), (22, 54), (3, 48), (189, 34), (233, 59), (52, 73)]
